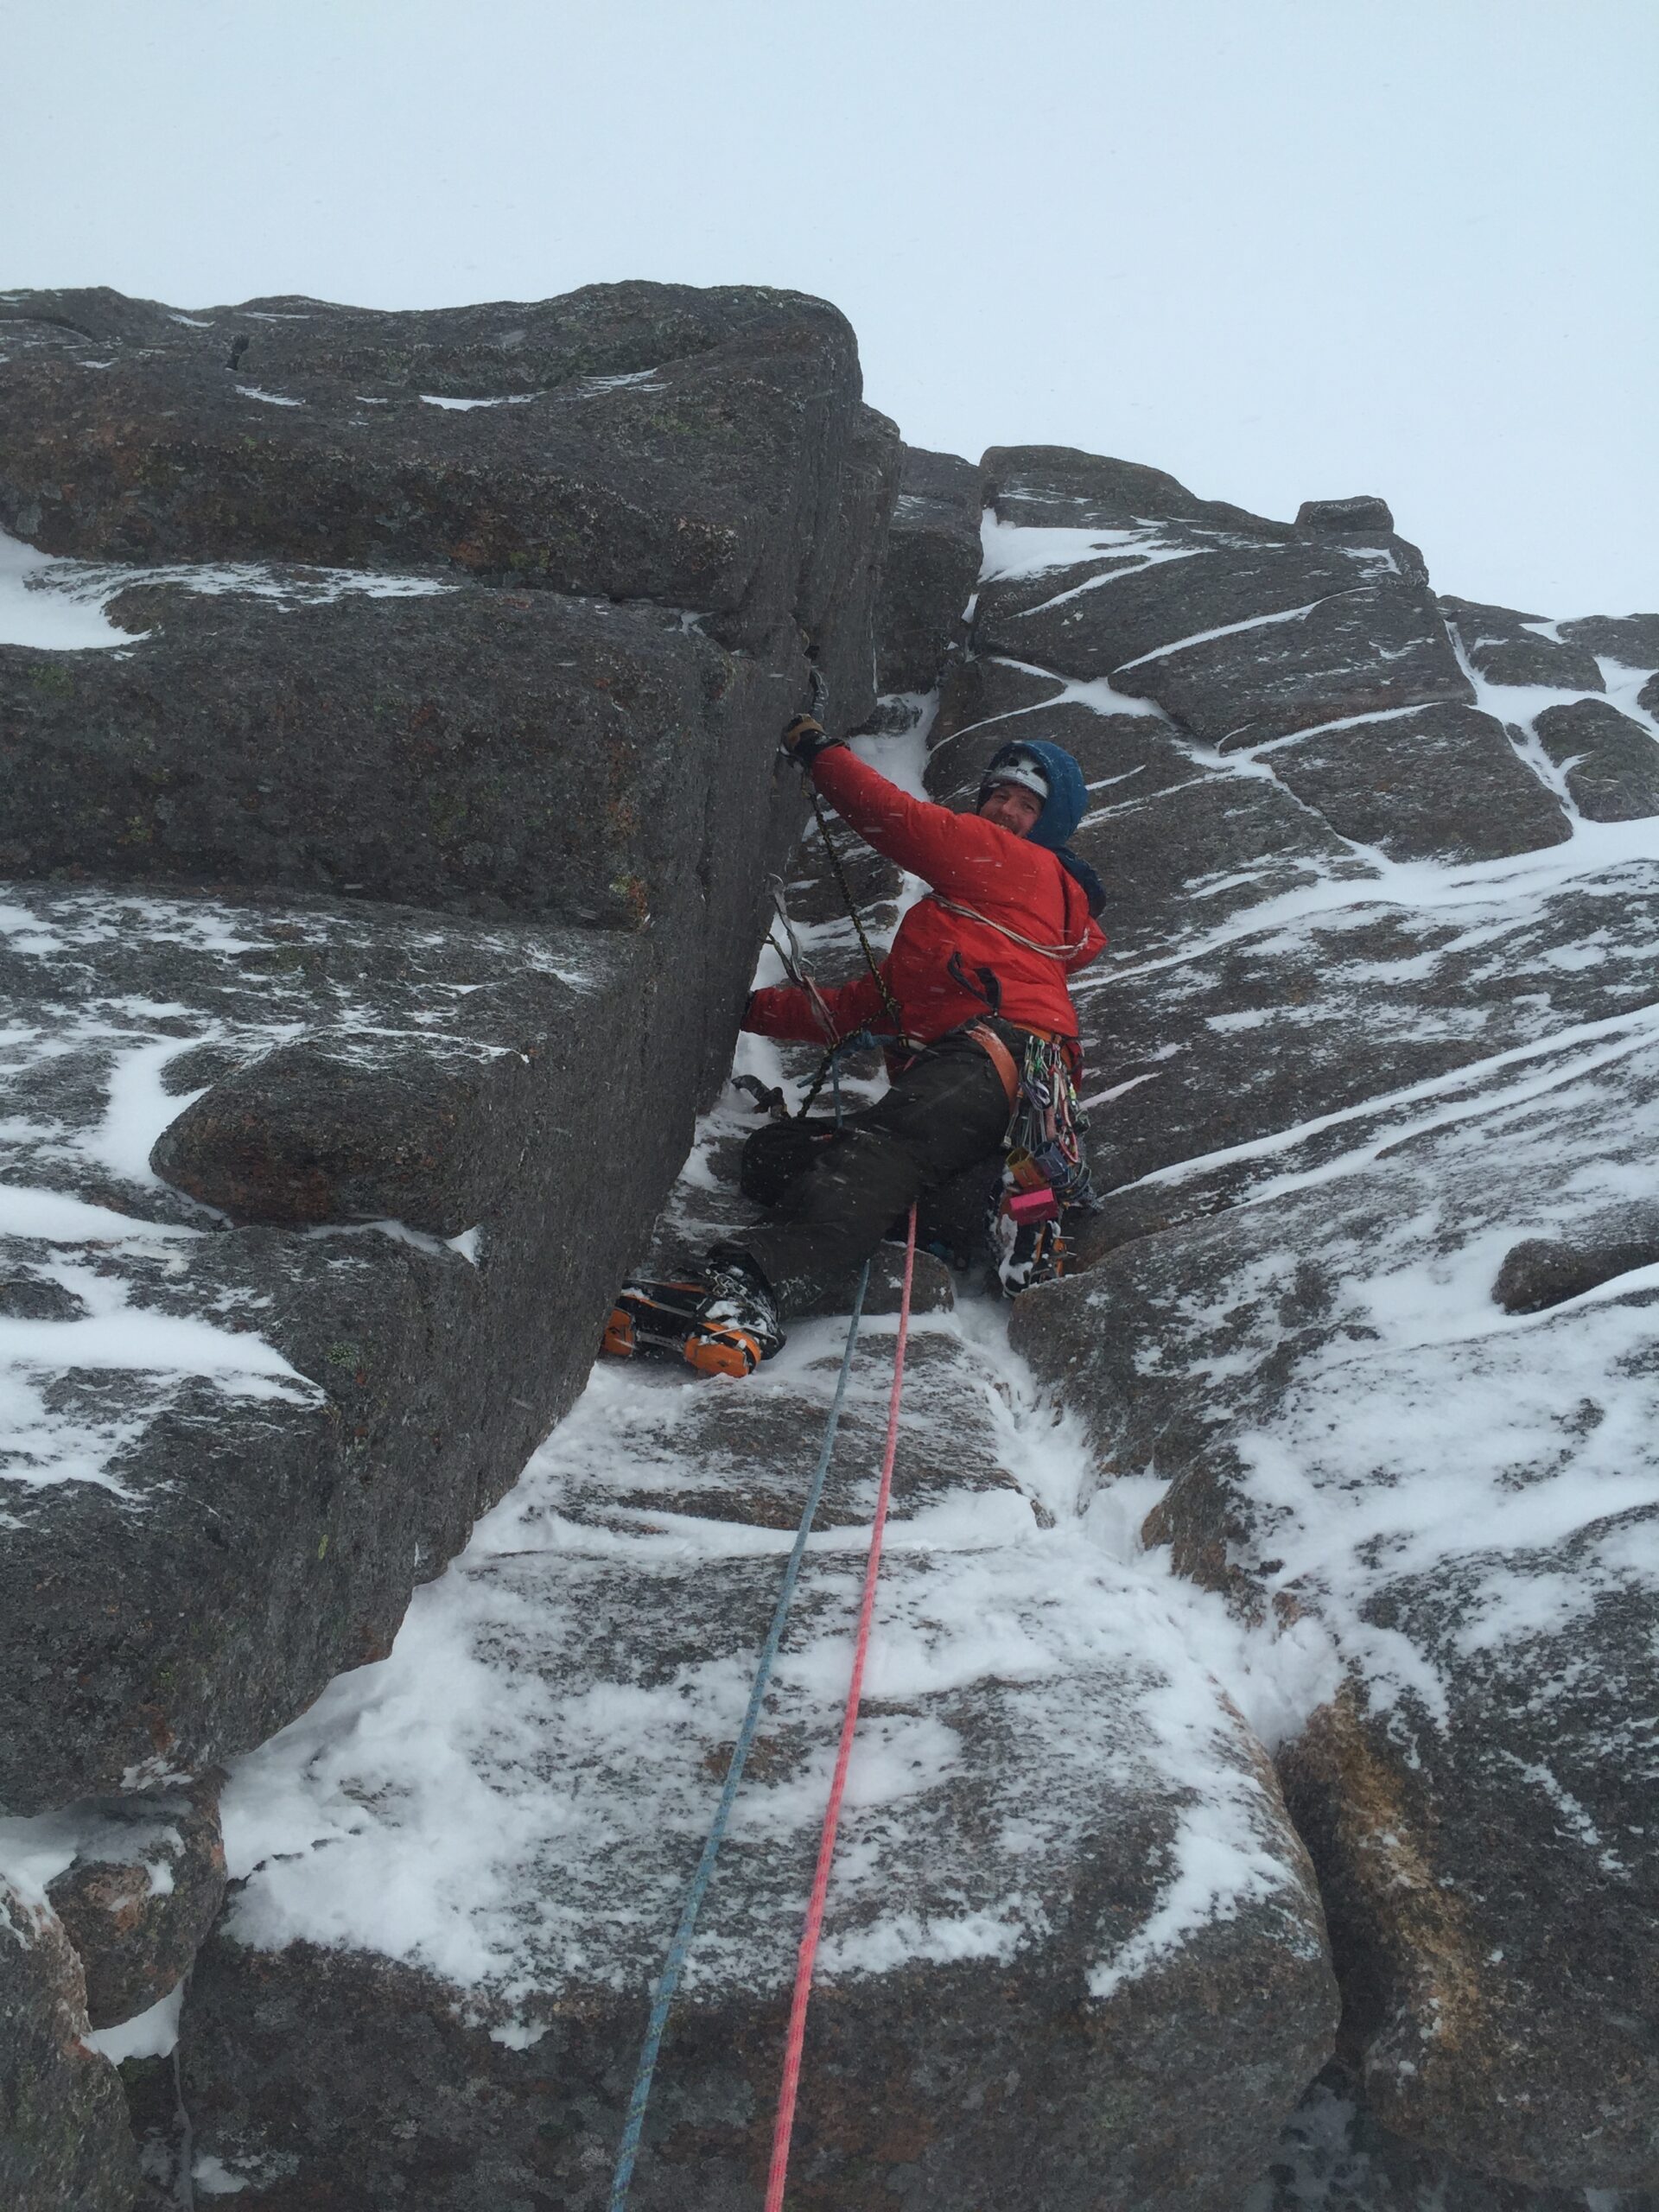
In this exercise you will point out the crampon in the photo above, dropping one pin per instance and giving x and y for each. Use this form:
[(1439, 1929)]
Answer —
[(691, 1321)]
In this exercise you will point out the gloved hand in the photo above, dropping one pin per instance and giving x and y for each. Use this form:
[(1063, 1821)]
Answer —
[(806, 737)]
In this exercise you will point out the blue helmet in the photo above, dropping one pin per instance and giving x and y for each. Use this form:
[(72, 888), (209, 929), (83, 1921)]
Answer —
[(1054, 775)]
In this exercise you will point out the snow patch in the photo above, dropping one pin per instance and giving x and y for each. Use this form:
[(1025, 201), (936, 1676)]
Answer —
[(152, 2034)]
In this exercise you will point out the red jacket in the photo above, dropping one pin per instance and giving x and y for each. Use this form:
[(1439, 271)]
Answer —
[(971, 862)]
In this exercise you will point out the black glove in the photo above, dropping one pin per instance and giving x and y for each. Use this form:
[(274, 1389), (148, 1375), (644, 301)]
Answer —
[(806, 737)]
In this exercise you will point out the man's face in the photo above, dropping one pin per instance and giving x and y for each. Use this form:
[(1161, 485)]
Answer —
[(1012, 807)]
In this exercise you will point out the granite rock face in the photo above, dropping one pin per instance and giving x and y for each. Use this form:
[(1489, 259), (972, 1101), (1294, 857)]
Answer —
[(1009, 2007), (478, 751), (254, 1441), (64, 2137), (1507, 647), (1014, 2004), (391, 864), (703, 449), (144, 1887), (1245, 630), (1609, 763), (1335, 2152), (1464, 1510), (1370, 1299), (1630, 640), (446, 877), (931, 569)]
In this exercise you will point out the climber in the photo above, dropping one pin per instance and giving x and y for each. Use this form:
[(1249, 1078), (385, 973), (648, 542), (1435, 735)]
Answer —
[(977, 968)]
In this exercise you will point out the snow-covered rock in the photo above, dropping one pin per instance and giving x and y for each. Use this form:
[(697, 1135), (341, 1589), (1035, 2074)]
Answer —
[(1369, 1313), (142, 1891), (704, 449), (251, 1443), (393, 844), (64, 2136), (1073, 1955), (929, 570), (438, 1140), (478, 751)]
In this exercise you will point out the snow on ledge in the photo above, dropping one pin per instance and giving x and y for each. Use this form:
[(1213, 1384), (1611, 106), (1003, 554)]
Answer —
[(56, 605), (153, 2034)]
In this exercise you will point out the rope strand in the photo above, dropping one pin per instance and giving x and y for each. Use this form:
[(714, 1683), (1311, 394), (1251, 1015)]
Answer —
[(668, 1981), (888, 1001), (783, 2126)]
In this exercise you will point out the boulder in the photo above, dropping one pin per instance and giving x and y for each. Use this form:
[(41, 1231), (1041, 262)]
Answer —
[(1245, 630), (432, 1132), (1506, 647), (1059, 487), (930, 569), (143, 1890), (1431, 783), (1610, 761), (64, 2137), (1362, 514), (254, 1441), (1544, 1271), (1630, 640), (704, 449)]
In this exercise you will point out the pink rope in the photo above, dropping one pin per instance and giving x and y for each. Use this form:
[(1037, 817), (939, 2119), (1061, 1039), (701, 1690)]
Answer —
[(784, 2125)]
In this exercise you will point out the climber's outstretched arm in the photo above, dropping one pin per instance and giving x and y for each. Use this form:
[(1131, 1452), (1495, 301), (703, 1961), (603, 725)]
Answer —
[(788, 1012)]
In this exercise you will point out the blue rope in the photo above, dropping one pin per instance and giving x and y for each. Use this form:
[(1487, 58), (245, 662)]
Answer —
[(669, 1981)]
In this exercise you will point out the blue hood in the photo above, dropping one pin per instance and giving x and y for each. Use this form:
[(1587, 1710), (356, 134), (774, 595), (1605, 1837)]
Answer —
[(1067, 801)]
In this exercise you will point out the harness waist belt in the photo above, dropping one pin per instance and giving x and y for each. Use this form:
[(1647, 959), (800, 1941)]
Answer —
[(999, 1056)]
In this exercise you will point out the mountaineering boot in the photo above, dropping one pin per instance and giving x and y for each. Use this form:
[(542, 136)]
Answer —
[(722, 1320)]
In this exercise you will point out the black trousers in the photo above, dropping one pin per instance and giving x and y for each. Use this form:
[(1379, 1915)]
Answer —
[(946, 1111)]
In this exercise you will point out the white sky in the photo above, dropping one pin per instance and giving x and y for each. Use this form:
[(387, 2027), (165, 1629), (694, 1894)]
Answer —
[(1286, 249)]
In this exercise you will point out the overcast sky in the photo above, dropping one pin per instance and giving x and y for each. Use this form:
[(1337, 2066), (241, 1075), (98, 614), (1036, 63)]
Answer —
[(1286, 249)]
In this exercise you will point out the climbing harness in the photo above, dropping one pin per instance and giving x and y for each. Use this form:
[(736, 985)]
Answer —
[(673, 1965)]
